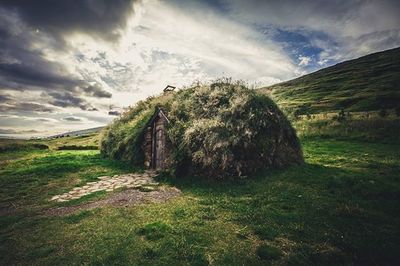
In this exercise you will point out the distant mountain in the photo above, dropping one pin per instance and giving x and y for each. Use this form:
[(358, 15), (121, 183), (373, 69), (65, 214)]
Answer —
[(79, 132), (370, 82)]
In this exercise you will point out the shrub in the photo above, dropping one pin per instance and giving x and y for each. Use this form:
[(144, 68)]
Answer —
[(154, 231), (219, 130)]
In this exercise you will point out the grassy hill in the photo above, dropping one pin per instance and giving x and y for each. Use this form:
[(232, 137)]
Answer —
[(368, 83), (83, 132)]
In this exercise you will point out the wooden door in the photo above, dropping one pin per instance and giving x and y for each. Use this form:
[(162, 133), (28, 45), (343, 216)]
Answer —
[(159, 149), (159, 138)]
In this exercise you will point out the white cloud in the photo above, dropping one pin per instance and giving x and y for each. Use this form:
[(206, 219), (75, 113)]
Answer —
[(169, 46), (304, 60)]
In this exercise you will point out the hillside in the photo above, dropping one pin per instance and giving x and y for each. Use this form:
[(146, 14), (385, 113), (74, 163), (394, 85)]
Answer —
[(79, 132), (368, 83)]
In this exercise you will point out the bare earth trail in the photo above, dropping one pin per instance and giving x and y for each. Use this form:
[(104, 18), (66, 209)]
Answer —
[(141, 189)]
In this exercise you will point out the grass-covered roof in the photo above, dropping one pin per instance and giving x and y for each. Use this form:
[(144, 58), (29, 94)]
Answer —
[(218, 130)]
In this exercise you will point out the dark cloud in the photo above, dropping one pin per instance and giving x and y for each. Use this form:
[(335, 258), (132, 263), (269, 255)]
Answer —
[(7, 131), (13, 131), (26, 107), (4, 98), (67, 99), (44, 120), (114, 113), (24, 66), (72, 118), (31, 74), (102, 18), (96, 91)]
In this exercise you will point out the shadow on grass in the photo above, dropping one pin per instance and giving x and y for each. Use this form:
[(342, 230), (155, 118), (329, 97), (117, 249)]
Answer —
[(330, 214)]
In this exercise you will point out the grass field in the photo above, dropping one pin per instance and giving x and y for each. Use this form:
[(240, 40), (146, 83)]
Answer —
[(362, 126), (341, 207)]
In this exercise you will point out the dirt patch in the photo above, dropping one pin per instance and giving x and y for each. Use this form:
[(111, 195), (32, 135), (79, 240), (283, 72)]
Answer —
[(121, 199)]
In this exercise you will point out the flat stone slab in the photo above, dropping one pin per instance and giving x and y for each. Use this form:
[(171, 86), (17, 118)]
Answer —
[(108, 184)]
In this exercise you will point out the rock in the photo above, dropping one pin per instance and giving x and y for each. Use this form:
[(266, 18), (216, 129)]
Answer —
[(55, 197), (146, 189)]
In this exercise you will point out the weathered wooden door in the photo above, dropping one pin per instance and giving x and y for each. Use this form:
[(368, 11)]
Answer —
[(159, 144), (159, 153)]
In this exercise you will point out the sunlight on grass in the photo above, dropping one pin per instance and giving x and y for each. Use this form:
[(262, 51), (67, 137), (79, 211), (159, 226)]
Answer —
[(309, 214)]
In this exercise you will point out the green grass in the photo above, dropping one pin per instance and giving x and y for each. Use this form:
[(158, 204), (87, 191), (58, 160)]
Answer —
[(266, 252), (84, 142), (31, 177), (364, 84), (341, 207), (357, 127), (89, 142)]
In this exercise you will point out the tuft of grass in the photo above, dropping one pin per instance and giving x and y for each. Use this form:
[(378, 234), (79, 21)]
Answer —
[(41, 252), (78, 217), (154, 231), (265, 232), (75, 147), (267, 252)]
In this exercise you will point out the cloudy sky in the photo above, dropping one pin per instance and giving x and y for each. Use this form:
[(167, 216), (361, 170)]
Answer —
[(70, 65)]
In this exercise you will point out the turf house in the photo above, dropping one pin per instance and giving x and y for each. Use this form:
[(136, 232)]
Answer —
[(218, 130)]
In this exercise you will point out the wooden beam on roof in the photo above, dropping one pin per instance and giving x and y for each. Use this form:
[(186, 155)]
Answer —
[(169, 88)]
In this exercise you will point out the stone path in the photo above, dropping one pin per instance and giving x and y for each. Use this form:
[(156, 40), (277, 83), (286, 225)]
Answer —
[(142, 181), (123, 198)]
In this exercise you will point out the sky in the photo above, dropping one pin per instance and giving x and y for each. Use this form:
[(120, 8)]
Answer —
[(71, 65)]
